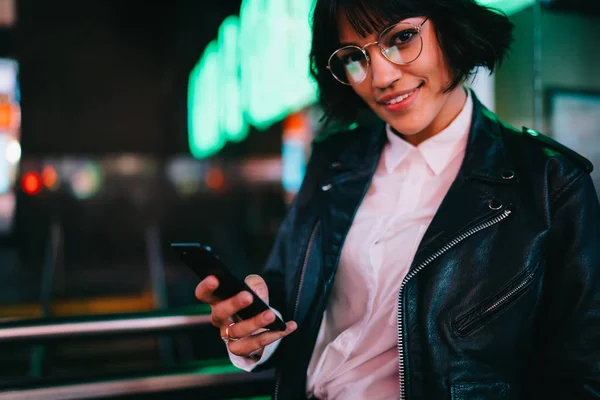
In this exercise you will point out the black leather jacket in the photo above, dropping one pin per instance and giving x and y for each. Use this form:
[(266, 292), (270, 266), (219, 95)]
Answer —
[(502, 300)]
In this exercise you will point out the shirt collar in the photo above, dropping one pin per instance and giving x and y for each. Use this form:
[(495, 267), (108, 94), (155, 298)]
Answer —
[(439, 150)]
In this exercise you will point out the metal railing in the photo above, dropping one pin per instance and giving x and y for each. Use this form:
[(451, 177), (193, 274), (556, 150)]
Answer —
[(41, 330), (151, 384)]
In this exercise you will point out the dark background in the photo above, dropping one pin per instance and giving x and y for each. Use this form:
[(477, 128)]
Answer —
[(102, 76)]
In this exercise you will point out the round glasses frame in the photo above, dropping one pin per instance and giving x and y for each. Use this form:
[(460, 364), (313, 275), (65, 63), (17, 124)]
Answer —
[(381, 49)]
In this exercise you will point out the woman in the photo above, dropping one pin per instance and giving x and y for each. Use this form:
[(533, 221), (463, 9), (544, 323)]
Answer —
[(440, 254)]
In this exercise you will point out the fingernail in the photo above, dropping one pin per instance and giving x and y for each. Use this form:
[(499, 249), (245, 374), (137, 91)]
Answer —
[(260, 290), (268, 316), (292, 326), (247, 298)]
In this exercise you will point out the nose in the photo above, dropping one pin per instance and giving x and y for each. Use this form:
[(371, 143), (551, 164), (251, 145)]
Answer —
[(383, 72)]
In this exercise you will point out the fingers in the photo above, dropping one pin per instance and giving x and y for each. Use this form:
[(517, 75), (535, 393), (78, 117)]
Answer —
[(258, 286), (248, 327), (255, 344), (251, 335), (205, 289), (223, 311)]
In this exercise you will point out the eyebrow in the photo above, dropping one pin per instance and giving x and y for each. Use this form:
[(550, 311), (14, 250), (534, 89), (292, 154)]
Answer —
[(344, 44)]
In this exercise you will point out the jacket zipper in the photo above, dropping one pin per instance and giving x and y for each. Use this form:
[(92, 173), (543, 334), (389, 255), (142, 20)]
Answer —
[(466, 328), (415, 271), (300, 283)]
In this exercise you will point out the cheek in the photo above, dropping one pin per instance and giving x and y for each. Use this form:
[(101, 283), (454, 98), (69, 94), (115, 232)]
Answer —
[(432, 65), (362, 90), (439, 69)]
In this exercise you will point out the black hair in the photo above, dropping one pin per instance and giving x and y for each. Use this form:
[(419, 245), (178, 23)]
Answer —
[(470, 35)]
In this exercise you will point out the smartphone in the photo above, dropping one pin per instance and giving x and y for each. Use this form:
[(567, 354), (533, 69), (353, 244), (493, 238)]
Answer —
[(204, 262)]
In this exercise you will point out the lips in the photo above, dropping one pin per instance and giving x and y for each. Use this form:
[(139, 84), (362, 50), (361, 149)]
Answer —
[(400, 98), (396, 96), (400, 101)]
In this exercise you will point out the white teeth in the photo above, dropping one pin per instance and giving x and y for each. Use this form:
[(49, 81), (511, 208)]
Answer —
[(399, 98)]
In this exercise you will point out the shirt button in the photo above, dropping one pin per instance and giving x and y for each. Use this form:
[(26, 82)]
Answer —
[(344, 340)]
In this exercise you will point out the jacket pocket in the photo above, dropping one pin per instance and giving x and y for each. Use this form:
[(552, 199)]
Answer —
[(480, 391), (488, 309)]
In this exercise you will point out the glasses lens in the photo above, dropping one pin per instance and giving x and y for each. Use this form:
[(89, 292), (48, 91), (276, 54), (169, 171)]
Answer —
[(401, 43), (349, 65)]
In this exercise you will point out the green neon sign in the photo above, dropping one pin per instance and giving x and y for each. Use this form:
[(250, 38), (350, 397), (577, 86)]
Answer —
[(508, 6), (257, 71)]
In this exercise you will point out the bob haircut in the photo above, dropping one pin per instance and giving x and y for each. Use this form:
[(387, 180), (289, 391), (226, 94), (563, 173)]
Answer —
[(470, 36)]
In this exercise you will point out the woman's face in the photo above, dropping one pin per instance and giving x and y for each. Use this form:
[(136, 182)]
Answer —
[(427, 110)]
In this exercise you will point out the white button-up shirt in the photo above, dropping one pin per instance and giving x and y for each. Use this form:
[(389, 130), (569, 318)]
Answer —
[(355, 356)]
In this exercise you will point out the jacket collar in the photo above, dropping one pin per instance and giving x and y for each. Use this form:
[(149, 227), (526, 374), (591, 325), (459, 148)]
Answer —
[(486, 156)]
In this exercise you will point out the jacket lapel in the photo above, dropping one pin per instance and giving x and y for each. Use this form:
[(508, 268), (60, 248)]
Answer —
[(347, 180), (483, 188)]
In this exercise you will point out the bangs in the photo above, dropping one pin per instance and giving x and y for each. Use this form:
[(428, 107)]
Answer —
[(372, 16)]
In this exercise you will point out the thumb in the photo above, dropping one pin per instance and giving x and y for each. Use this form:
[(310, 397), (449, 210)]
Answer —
[(259, 286)]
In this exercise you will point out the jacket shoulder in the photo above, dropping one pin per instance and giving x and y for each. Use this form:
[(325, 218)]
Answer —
[(551, 148), (336, 134), (354, 140)]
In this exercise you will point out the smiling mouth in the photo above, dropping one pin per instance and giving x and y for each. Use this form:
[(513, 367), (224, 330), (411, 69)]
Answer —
[(402, 97)]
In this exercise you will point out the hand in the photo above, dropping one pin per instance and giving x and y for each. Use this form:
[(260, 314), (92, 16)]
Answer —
[(250, 336)]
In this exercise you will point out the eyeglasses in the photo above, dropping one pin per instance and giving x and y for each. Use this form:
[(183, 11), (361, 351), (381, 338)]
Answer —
[(400, 43)]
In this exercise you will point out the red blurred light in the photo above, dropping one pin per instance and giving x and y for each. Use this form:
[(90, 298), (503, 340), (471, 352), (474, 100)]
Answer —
[(31, 183), (214, 179), (49, 176)]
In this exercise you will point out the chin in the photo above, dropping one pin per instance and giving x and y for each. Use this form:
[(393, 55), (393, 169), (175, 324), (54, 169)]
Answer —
[(407, 128)]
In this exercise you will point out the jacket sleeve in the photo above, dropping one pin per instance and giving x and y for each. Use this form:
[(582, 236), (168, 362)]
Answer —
[(572, 348), (279, 259)]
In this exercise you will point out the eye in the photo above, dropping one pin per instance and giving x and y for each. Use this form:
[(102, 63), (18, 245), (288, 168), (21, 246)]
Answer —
[(403, 37), (352, 57)]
